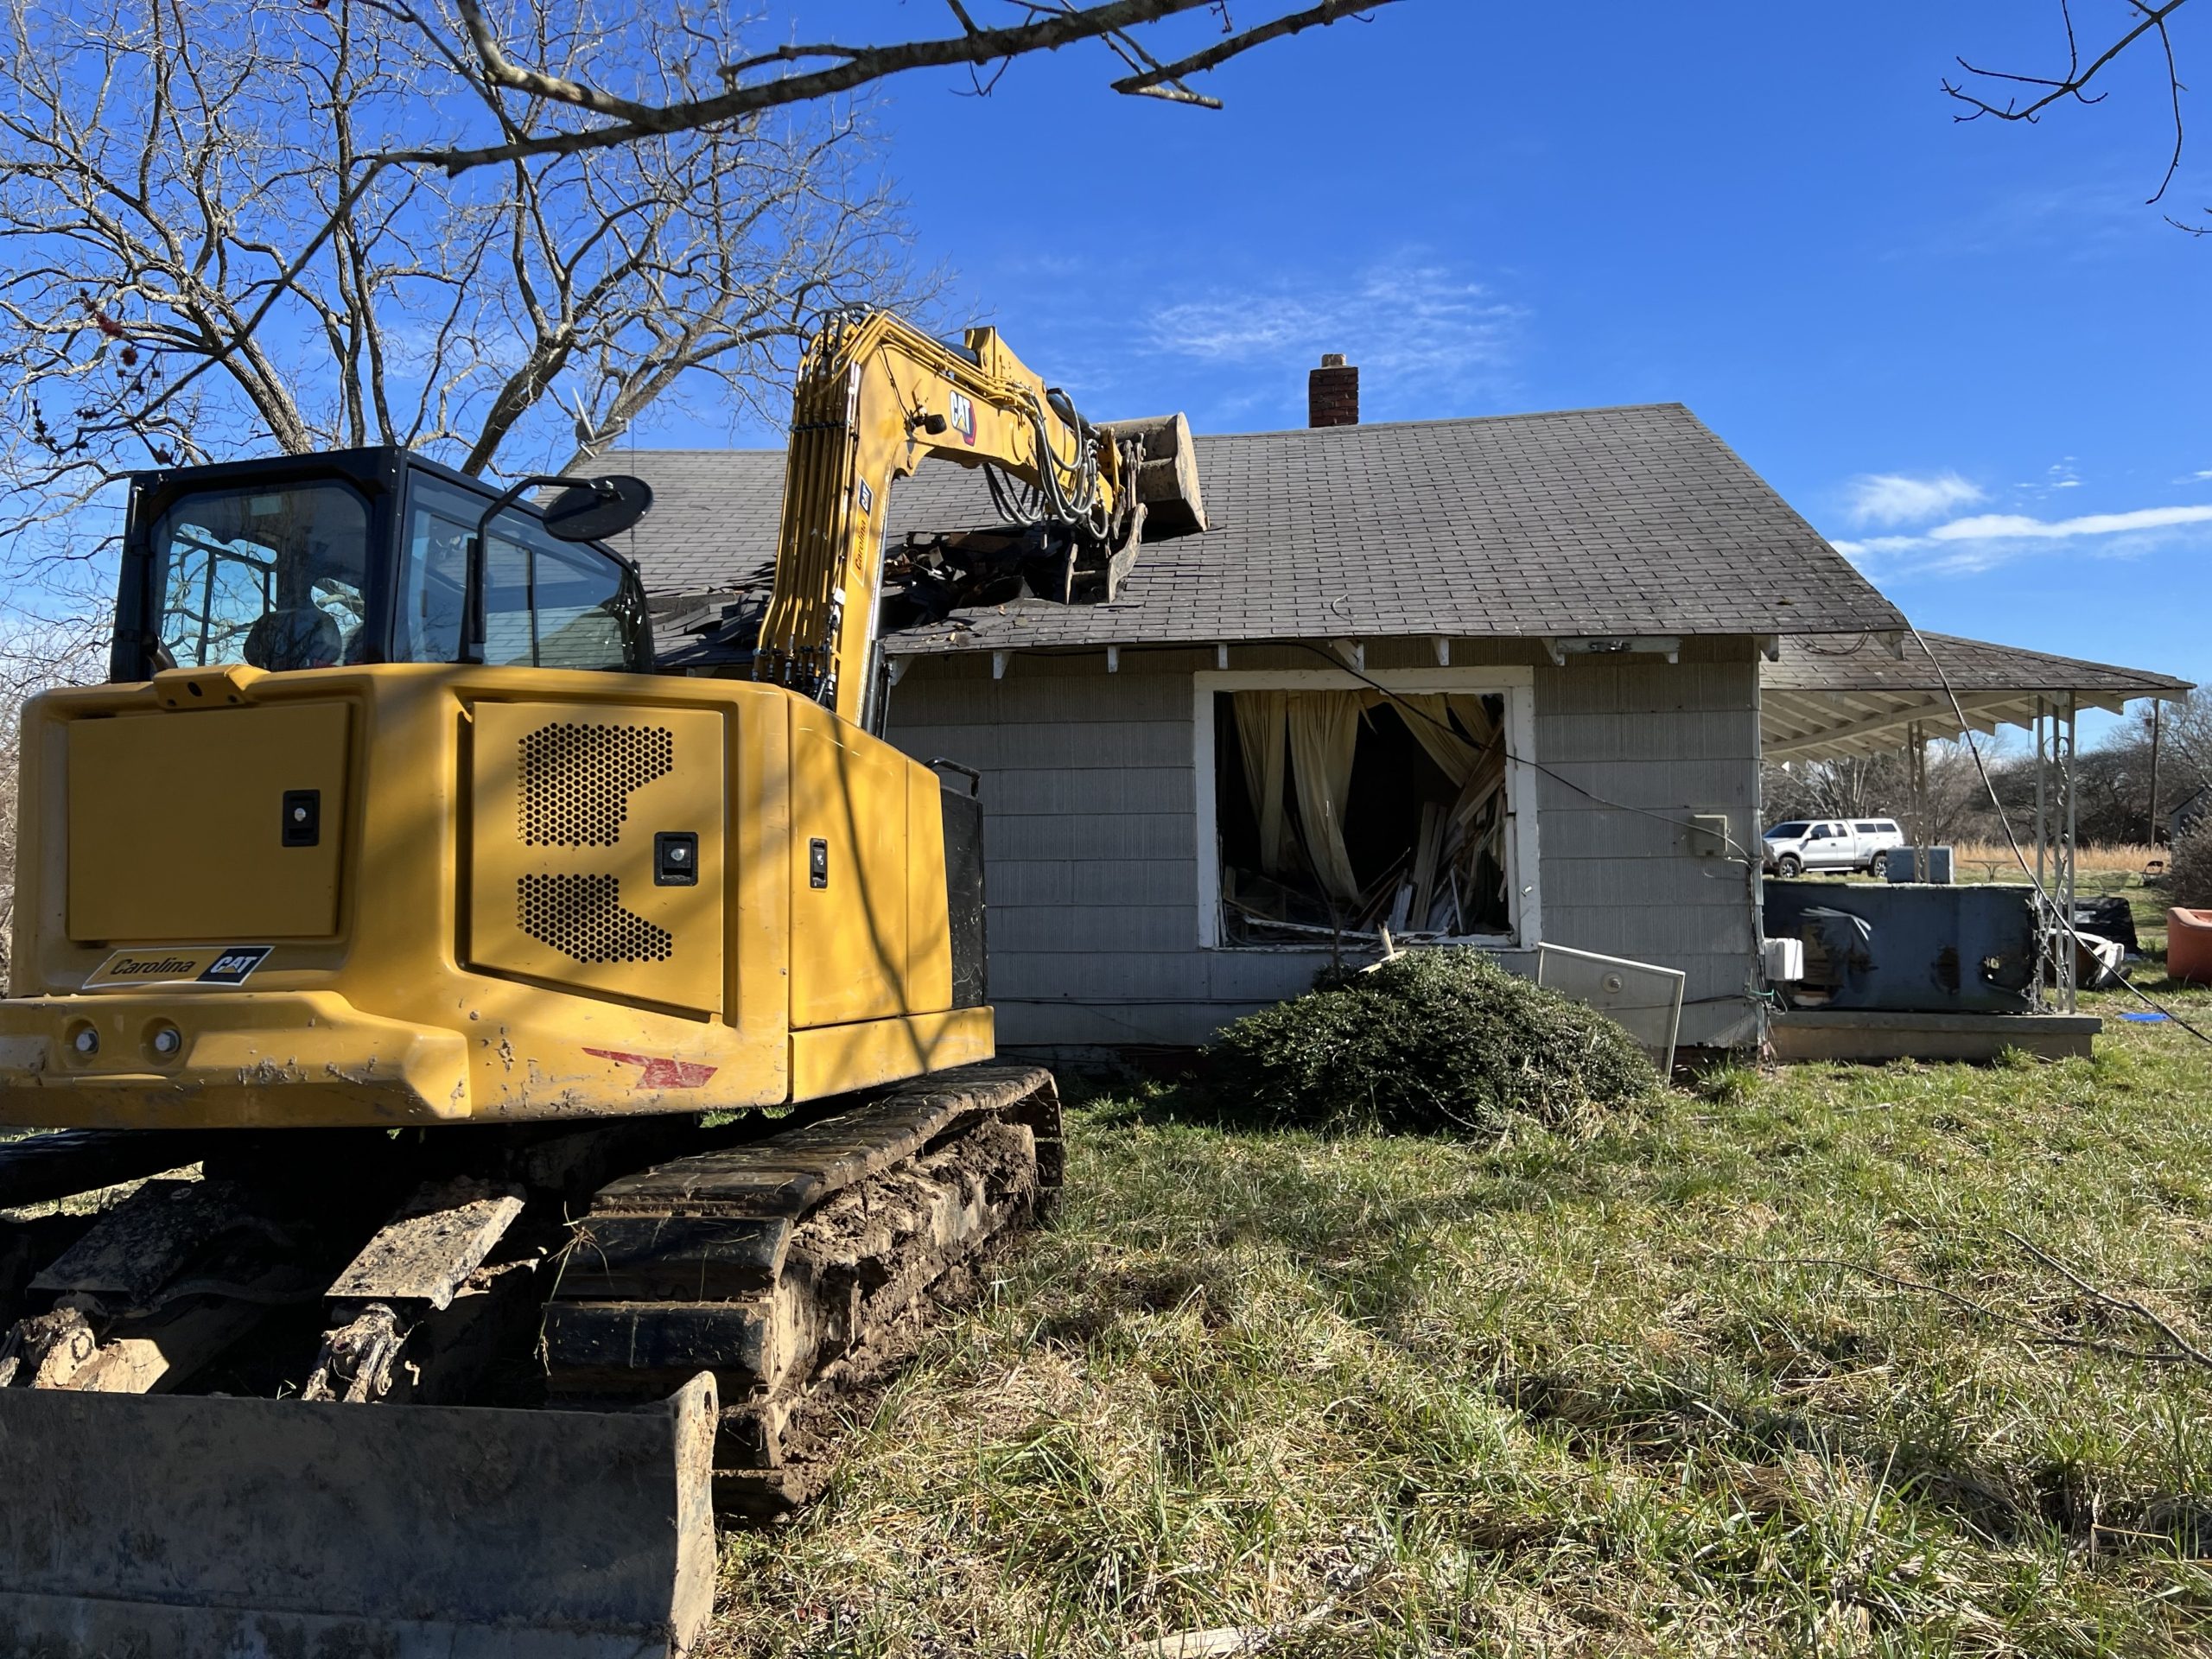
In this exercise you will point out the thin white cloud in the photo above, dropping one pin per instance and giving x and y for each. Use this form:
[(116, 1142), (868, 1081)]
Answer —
[(1879, 544), (1411, 326), (1991, 526), (1899, 498), (1982, 541)]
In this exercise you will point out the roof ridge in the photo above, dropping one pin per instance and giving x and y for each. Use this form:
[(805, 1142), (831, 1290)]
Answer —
[(1454, 419), (1332, 432)]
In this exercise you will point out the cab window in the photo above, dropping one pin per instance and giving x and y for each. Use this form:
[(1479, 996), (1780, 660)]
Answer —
[(274, 578), (547, 603)]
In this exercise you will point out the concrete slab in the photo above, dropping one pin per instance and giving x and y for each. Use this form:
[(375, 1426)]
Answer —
[(1866, 1034)]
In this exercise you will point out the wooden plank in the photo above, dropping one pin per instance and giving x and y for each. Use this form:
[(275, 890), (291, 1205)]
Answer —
[(1425, 844)]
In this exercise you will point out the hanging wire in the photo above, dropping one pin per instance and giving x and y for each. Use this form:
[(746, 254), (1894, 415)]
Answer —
[(1398, 701)]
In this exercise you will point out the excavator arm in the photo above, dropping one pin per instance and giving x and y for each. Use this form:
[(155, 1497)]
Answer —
[(875, 396)]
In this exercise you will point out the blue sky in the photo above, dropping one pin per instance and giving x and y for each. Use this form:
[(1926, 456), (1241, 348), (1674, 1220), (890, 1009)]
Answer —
[(1969, 354)]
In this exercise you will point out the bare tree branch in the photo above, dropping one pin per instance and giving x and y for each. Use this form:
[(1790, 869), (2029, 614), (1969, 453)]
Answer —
[(1046, 26), (2151, 22), (2125, 1304), (1166, 80), (204, 251), (220, 231)]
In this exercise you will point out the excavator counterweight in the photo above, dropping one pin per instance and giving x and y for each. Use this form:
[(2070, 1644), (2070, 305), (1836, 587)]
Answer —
[(501, 1098)]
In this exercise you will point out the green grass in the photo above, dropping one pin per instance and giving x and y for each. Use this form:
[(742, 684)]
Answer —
[(1637, 1391)]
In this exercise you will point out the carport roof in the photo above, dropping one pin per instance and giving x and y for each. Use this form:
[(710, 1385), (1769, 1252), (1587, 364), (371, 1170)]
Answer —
[(1826, 699)]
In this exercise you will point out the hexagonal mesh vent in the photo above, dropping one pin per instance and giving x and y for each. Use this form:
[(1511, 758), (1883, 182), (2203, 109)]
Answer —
[(576, 780), (582, 916)]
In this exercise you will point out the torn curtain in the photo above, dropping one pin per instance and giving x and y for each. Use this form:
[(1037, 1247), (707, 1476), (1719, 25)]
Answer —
[(1323, 732)]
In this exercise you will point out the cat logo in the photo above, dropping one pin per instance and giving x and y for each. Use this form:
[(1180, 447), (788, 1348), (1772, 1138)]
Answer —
[(961, 411), (225, 964), (234, 964)]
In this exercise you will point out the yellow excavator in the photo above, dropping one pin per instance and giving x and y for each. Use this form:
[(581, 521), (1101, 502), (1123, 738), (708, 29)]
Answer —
[(499, 1098)]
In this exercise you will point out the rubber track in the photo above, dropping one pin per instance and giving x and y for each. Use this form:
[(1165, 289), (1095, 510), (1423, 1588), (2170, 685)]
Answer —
[(800, 1266)]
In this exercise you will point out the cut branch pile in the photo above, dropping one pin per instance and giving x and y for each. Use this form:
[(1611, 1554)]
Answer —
[(1441, 1040)]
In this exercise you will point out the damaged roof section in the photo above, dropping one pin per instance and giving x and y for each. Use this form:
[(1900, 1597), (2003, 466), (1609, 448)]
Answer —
[(1608, 521)]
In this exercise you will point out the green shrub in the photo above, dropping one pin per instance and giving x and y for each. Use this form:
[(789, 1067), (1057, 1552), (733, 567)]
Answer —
[(1433, 1040)]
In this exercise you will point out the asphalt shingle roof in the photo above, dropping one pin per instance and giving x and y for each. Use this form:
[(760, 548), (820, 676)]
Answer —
[(1868, 664), (1632, 520)]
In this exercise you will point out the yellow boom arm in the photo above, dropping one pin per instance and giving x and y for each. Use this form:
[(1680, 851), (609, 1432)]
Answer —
[(875, 396)]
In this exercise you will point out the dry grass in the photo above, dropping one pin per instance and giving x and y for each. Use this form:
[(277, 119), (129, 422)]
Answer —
[(2123, 858), (1656, 1389)]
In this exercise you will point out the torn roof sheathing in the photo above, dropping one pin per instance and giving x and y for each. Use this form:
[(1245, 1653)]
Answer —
[(1632, 521), (1834, 699)]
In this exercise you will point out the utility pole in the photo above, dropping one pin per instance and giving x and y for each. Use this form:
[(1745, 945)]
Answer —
[(2156, 705)]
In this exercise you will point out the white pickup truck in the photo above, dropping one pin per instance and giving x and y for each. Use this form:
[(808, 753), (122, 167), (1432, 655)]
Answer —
[(1805, 844)]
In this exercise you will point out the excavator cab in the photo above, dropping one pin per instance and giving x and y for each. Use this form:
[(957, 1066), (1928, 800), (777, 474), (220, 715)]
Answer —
[(356, 557)]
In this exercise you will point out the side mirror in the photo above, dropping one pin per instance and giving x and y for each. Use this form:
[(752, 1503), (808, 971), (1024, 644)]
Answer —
[(597, 508)]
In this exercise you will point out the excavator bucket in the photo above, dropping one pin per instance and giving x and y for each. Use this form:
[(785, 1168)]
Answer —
[(1168, 476), (214, 1526)]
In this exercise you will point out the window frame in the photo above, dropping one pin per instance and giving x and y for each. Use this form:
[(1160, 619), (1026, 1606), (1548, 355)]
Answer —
[(1516, 685)]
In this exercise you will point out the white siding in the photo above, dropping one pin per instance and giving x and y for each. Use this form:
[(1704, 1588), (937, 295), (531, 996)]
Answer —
[(1090, 813)]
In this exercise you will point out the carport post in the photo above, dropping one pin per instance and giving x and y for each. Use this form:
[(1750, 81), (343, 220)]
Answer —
[(2069, 961), (1916, 788)]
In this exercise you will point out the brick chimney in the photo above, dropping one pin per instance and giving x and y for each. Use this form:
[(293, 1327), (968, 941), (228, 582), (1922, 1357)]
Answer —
[(1332, 392)]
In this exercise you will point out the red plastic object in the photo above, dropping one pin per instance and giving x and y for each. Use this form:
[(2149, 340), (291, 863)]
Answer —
[(2189, 945)]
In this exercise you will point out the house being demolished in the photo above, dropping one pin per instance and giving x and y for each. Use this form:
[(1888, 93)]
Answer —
[(1494, 680)]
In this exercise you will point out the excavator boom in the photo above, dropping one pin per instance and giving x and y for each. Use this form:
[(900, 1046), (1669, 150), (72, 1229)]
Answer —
[(875, 398)]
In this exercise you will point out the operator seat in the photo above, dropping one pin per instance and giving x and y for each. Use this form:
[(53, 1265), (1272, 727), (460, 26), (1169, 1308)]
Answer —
[(298, 637)]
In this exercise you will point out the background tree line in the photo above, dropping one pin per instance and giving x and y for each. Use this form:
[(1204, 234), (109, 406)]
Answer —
[(2112, 781)]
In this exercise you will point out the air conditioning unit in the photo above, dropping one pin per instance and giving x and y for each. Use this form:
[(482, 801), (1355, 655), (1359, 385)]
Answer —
[(1782, 961), (1643, 999)]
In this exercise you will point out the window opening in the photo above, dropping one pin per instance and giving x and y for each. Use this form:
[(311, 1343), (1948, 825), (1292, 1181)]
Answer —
[(1346, 812)]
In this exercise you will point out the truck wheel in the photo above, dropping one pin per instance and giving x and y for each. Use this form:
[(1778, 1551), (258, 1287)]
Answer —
[(1790, 865)]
